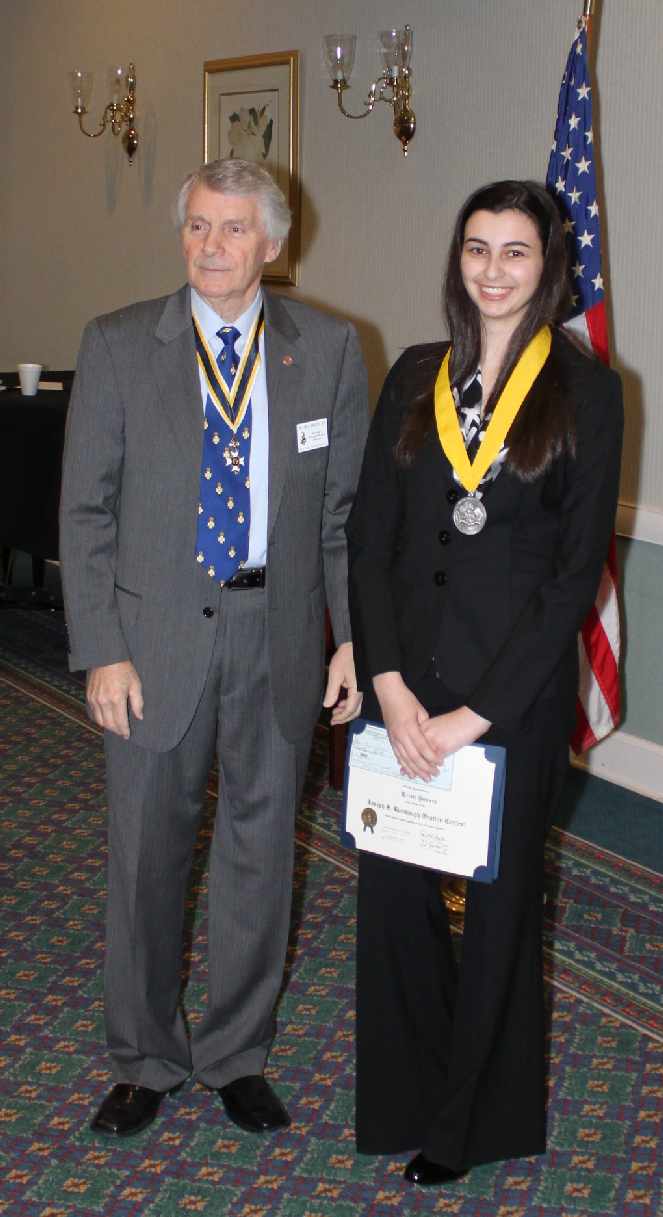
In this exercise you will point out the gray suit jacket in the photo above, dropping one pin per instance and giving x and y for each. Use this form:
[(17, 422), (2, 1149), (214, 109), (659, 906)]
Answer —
[(129, 506)]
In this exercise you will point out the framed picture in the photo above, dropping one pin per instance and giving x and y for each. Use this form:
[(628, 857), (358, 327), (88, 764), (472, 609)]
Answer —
[(251, 111)]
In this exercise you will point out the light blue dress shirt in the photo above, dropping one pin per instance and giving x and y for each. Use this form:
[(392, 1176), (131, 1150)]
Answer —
[(209, 322)]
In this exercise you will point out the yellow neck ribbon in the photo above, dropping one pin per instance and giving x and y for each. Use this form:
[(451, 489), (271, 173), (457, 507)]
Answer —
[(511, 399)]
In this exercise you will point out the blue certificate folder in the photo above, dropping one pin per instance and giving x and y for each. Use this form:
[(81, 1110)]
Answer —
[(387, 766)]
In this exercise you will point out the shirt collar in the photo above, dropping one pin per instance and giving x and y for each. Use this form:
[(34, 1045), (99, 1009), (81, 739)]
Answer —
[(210, 322)]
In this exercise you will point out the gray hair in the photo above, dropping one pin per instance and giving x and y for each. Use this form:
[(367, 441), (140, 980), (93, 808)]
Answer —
[(240, 177)]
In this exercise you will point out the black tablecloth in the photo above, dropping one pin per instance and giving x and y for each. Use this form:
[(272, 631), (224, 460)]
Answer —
[(31, 441)]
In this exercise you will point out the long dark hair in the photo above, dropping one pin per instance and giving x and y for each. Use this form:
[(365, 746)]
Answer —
[(546, 426)]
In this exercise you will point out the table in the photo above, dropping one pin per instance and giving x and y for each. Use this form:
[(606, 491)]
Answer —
[(31, 442)]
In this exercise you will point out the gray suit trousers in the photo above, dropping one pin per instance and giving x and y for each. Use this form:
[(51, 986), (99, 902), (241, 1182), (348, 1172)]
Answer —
[(155, 802)]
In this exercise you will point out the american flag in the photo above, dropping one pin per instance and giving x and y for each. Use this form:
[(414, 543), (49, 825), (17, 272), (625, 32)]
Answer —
[(572, 178)]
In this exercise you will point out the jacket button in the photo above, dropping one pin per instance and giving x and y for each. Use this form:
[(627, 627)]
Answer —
[(444, 537), (207, 611), (452, 496), (440, 577)]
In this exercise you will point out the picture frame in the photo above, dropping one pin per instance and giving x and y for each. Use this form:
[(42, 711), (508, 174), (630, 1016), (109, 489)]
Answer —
[(251, 111)]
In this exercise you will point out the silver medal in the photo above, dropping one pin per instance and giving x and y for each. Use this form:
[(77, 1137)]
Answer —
[(469, 515)]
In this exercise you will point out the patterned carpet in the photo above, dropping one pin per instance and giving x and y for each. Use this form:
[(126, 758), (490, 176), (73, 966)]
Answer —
[(603, 953)]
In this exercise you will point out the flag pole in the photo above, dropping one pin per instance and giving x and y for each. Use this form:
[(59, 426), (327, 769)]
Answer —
[(586, 22)]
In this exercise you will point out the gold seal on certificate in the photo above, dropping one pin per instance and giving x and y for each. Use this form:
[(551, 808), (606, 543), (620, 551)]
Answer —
[(451, 823), (369, 818)]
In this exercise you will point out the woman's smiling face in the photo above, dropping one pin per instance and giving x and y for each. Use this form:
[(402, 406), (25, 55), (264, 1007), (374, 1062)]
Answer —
[(501, 265)]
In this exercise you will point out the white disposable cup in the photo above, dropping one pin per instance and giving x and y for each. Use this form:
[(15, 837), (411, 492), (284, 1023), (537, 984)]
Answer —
[(28, 374)]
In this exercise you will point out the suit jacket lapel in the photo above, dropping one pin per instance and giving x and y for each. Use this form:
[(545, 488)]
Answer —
[(176, 372), (284, 357)]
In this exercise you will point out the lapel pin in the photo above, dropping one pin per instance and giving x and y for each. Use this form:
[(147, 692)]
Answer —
[(288, 361)]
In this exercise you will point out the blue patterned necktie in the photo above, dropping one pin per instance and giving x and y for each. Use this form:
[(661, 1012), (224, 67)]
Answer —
[(224, 509)]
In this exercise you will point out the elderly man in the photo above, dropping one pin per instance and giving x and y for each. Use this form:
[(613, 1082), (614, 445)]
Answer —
[(214, 442)]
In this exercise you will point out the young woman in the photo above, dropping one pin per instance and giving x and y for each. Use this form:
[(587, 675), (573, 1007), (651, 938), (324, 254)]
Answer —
[(477, 538)]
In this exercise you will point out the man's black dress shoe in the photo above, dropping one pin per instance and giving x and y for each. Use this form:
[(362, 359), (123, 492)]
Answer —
[(426, 1173), (251, 1103), (126, 1110)]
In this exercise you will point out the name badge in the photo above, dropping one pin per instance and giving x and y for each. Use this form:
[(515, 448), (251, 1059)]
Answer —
[(312, 435)]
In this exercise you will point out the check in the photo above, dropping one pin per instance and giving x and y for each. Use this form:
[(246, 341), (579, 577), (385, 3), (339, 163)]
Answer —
[(452, 823)]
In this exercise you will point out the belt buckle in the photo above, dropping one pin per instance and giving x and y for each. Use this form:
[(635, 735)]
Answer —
[(245, 579)]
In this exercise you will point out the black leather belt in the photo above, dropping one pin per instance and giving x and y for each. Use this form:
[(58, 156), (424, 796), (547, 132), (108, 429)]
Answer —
[(253, 577)]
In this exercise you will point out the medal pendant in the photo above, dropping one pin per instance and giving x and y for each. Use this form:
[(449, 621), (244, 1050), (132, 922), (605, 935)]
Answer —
[(231, 455), (469, 515)]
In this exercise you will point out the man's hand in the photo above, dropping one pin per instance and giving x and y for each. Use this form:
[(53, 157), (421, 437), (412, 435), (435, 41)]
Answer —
[(405, 719), (446, 733), (342, 676), (109, 688)]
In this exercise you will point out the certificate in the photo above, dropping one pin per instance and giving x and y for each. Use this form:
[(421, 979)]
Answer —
[(451, 823)]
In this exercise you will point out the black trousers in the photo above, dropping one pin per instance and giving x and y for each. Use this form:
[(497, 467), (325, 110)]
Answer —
[(450, 1059)]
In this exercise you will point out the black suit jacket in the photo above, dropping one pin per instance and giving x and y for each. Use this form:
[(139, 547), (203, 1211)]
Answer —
[(499, 611)]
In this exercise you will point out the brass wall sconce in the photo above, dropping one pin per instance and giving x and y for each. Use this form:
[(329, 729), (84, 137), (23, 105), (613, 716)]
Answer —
[(120, 111), (392, 85)]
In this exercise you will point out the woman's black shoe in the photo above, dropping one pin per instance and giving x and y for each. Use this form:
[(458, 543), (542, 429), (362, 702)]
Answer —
[(426, 1173)]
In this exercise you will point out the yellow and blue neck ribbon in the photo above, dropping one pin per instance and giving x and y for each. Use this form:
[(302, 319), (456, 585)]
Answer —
[(231, 403)]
